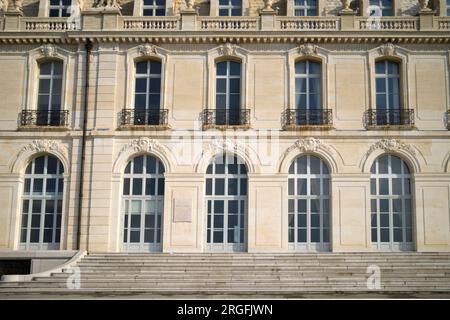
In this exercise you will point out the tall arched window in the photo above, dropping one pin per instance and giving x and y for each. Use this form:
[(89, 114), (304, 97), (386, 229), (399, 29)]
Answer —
[(143, 204), (228, 93), (230, 8), (387, 82), (309, 204), (42, 204), (147, 95), (226, 197), (154, 8), (49, 93), (390, 189), (308, 93), (381, 8), (306, 7)]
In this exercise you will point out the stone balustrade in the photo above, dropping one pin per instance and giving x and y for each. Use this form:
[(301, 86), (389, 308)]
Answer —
[(49, 24), (204, 23), (309, 23), (151, 23), (228, 23), (389, 24), (443, 23)]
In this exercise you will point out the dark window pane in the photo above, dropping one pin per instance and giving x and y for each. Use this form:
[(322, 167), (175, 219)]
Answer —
[(208, 187), (218, 236), (221, 68), (36, 207), (138, 164), (39, 165), (235, 68), (243, 187), (219, 186), (161, 187), (150, 186), (126, 186), (48, 223), (35, 221), (233, 187), (49, 206), (50, 186), (134, 236), (301, 187), (218, 206), (137, 186), (34, 235), (301, 235)]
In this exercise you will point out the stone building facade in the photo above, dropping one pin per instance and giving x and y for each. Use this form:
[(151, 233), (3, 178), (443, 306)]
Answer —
[(338, 122)]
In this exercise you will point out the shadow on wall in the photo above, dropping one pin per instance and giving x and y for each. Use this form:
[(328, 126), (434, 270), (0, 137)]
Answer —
[(127, 8)]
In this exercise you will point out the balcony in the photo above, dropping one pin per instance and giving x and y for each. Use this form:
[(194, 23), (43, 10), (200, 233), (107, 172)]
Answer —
[(151, 23), (143, 119), (44, 118), (226, 118), (389, 24), (49, 24), (304, 119), (390, 119)]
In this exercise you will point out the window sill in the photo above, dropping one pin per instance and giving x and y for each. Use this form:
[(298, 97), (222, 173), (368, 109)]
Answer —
[(300, 127), (226, 127), (43, 128), (132, 127), (392, 127)]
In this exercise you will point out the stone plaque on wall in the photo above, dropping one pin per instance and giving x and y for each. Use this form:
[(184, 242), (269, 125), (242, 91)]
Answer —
[(182, 210)]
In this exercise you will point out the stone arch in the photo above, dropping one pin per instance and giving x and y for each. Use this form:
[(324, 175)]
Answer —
[(37, 148), (142, 146), (310, 146), (246, 154), (395, 147)]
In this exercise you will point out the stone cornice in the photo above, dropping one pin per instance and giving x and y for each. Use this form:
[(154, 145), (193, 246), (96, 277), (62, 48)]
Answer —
[(242, 37)]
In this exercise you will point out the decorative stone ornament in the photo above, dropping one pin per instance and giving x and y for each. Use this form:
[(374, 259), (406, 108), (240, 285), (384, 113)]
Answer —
[(189, 4), (346, 6), (142, 145), (227, 49), (309, 144), (307, 49), (3, 5), (268, 5), (392, 145), (424, 5), (48, 50), (387, 49), (14, 5), (107, 4), (147, 50)]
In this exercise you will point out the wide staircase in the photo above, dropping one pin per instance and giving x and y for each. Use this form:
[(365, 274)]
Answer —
[(246, 275)]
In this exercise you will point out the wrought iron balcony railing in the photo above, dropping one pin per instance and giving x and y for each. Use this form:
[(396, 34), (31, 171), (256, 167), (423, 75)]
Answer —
[(293, 118), (49, 118), (144, 117), (390, 117), (225, 117)]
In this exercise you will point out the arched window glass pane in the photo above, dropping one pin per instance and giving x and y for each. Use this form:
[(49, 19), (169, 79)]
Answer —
[(143, 204), (391, 223), (226, 196), (309, 204), (42, 204)]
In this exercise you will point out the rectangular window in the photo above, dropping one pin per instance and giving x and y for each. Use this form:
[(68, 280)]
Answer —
[(230, 8), (305, 8), (380, 8), (154, 8), (59, 8)]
